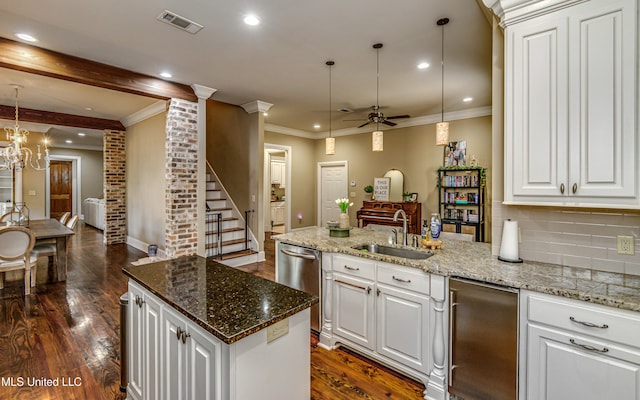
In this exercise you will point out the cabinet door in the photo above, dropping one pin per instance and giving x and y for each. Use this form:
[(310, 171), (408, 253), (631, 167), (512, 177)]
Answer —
[(354, 309), (283, 175), (403, 326), (276, 173), (174, 365), (279, 215), (558, 368), (603, 82), (536, 108), (136, 337), (204, 372), (152, 348)]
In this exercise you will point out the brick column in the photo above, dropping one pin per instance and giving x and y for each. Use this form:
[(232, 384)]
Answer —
[(181, 176), (114, 180)]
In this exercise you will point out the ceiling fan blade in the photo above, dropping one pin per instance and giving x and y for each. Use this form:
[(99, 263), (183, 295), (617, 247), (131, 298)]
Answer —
[(389, 123), (359, 119), (365, 124), (399, 116)]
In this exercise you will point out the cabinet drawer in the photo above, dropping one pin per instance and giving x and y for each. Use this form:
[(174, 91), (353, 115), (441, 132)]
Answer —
[(403, 277), (354, 266), (592, 319)]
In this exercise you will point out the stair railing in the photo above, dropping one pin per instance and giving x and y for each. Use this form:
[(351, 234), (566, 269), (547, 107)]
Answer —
[(246, 228)]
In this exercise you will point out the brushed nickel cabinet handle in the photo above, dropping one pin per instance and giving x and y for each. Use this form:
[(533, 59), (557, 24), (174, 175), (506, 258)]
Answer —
[(352, 285), (589, 324), (401, 280), (562, 188), (575, 188), (185, 335), (351, 268), (378, 292), (587, 347), (178, 333)]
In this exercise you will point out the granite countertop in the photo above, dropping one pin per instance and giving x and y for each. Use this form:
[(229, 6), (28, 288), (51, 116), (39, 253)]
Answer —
[(228, 303), (474, 261)]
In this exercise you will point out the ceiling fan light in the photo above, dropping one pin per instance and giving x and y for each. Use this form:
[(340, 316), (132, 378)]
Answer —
[(377, 141), (330, 146), (442, 133)]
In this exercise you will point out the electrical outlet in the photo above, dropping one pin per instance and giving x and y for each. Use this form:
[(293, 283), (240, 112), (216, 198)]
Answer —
[(625, 245)]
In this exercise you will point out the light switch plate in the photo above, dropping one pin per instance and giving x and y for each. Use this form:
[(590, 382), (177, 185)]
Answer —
[(32, 193), (277, 330), (352, 194)]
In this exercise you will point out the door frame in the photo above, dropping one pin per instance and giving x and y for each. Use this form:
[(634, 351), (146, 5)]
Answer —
[(277, 148), (76, 185), (345, 165)]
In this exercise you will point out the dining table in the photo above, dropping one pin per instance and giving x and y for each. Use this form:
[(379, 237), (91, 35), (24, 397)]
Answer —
[(46, 229)]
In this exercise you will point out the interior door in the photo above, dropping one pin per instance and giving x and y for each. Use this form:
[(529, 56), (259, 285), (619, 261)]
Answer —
[(61, 186), (333, 185)]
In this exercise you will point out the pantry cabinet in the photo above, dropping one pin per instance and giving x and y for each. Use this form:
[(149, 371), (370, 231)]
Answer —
[(571, 105), (278, 173)]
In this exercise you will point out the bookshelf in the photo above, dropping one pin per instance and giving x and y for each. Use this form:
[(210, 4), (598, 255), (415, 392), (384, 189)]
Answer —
[(461, 200)]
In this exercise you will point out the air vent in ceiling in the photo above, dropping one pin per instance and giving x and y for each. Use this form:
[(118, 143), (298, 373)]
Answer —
[(179, 22)]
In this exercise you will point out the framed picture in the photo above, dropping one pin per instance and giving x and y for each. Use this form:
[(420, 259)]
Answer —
[(455, 154), (414, 197), (381, 188)]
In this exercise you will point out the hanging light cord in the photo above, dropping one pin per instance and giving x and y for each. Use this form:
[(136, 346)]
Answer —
[(330, 64), (377, 88), (442, 79)]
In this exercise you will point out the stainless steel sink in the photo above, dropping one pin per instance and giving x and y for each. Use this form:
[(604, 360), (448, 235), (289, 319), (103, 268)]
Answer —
[(393, 251)]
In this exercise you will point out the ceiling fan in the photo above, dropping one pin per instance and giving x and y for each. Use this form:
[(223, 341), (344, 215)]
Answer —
[(376, 116)]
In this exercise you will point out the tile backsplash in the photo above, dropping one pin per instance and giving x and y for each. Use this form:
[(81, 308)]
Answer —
[(571, 237)]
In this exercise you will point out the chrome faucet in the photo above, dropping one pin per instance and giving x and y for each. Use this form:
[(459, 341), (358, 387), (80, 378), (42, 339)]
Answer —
[(405, 242)]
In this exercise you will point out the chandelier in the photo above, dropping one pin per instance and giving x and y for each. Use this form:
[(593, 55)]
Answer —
[(17, 155)]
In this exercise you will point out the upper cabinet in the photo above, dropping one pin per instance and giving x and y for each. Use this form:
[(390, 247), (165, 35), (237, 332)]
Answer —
[(278, 173), (571, 103)]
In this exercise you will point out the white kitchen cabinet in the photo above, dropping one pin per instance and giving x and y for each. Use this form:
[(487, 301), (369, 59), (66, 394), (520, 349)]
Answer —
[(277, 212), (570, 106), (354, 309), (278, 173), (578, 350), (191, 369), (144, 345)]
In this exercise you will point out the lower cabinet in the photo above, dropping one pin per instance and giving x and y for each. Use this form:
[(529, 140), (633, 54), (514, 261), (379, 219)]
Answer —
[(382, 309), (578, 350), (192, 359)]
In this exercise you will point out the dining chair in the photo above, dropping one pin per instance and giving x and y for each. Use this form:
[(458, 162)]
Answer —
[(16, 243), (64, 217), (11, 215), (71, 224)]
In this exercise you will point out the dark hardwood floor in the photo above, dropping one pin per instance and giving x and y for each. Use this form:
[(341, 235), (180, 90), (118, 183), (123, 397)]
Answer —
[(70, 331)]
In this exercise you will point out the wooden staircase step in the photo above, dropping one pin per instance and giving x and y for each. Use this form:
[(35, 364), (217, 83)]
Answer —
[(226, 243), (228, 230), (235, 254)]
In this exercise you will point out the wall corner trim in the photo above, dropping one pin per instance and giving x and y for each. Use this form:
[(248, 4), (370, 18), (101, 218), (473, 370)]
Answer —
[(255, 106)]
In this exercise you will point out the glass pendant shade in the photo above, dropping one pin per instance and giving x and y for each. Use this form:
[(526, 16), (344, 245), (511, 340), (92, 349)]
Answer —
[(377, 141), (330, 146), (442, 133)]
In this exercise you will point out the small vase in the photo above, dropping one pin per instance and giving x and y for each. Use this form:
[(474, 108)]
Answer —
[(344, 220)]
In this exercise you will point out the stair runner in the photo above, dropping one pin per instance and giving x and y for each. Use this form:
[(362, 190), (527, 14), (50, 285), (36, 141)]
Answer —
[(233, 228)]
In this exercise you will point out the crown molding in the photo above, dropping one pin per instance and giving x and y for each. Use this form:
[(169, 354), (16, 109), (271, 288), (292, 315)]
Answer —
[(418, 121), (203, 92), (514, 11), (255, 106), (146, 113)]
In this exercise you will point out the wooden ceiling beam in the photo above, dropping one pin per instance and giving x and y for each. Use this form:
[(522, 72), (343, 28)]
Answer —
[(53, 118), (36, 60)]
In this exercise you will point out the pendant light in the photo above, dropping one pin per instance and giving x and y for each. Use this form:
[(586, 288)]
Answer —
[(330, 142), (442, 127), (377, 138)]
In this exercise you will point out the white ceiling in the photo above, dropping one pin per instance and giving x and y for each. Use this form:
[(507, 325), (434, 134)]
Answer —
[(281, 61)]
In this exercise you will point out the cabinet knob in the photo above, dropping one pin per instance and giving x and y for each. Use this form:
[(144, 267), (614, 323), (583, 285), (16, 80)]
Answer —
[(575, 188), (562, 188), (178, 333)]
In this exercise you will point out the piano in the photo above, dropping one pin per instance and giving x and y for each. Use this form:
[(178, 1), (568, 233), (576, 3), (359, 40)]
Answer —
[(381, 213)]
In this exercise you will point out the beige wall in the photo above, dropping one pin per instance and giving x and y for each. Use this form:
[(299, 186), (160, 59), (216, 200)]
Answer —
[(228, 149), (145, 157), (303, 177), (411, 150), (34, 180)]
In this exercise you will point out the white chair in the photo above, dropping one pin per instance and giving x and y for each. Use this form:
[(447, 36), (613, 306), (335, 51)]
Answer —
[(71, 224), (11, 215), (64, 217), (16, 243)]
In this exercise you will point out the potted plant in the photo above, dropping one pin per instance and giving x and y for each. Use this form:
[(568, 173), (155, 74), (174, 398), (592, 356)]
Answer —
[(368, 190), (407, 196)]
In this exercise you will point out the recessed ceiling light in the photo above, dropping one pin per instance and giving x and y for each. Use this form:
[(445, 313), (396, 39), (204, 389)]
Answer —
[(266, 114), (88, 108), (467, 99), (251, 20), (68, 141), (423, 65), (26, 37), (317, 126), (81, 134), (165, 74)]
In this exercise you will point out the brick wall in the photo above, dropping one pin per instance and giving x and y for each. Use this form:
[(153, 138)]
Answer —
[(181, 174), (114, 179)]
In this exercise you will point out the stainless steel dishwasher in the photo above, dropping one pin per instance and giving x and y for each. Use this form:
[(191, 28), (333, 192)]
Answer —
[(299, 267), (483, 347)]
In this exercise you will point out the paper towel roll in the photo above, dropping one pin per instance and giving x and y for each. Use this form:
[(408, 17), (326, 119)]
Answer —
[(509, 244)]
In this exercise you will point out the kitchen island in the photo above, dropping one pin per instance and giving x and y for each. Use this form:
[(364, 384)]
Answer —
[(199, 329)]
